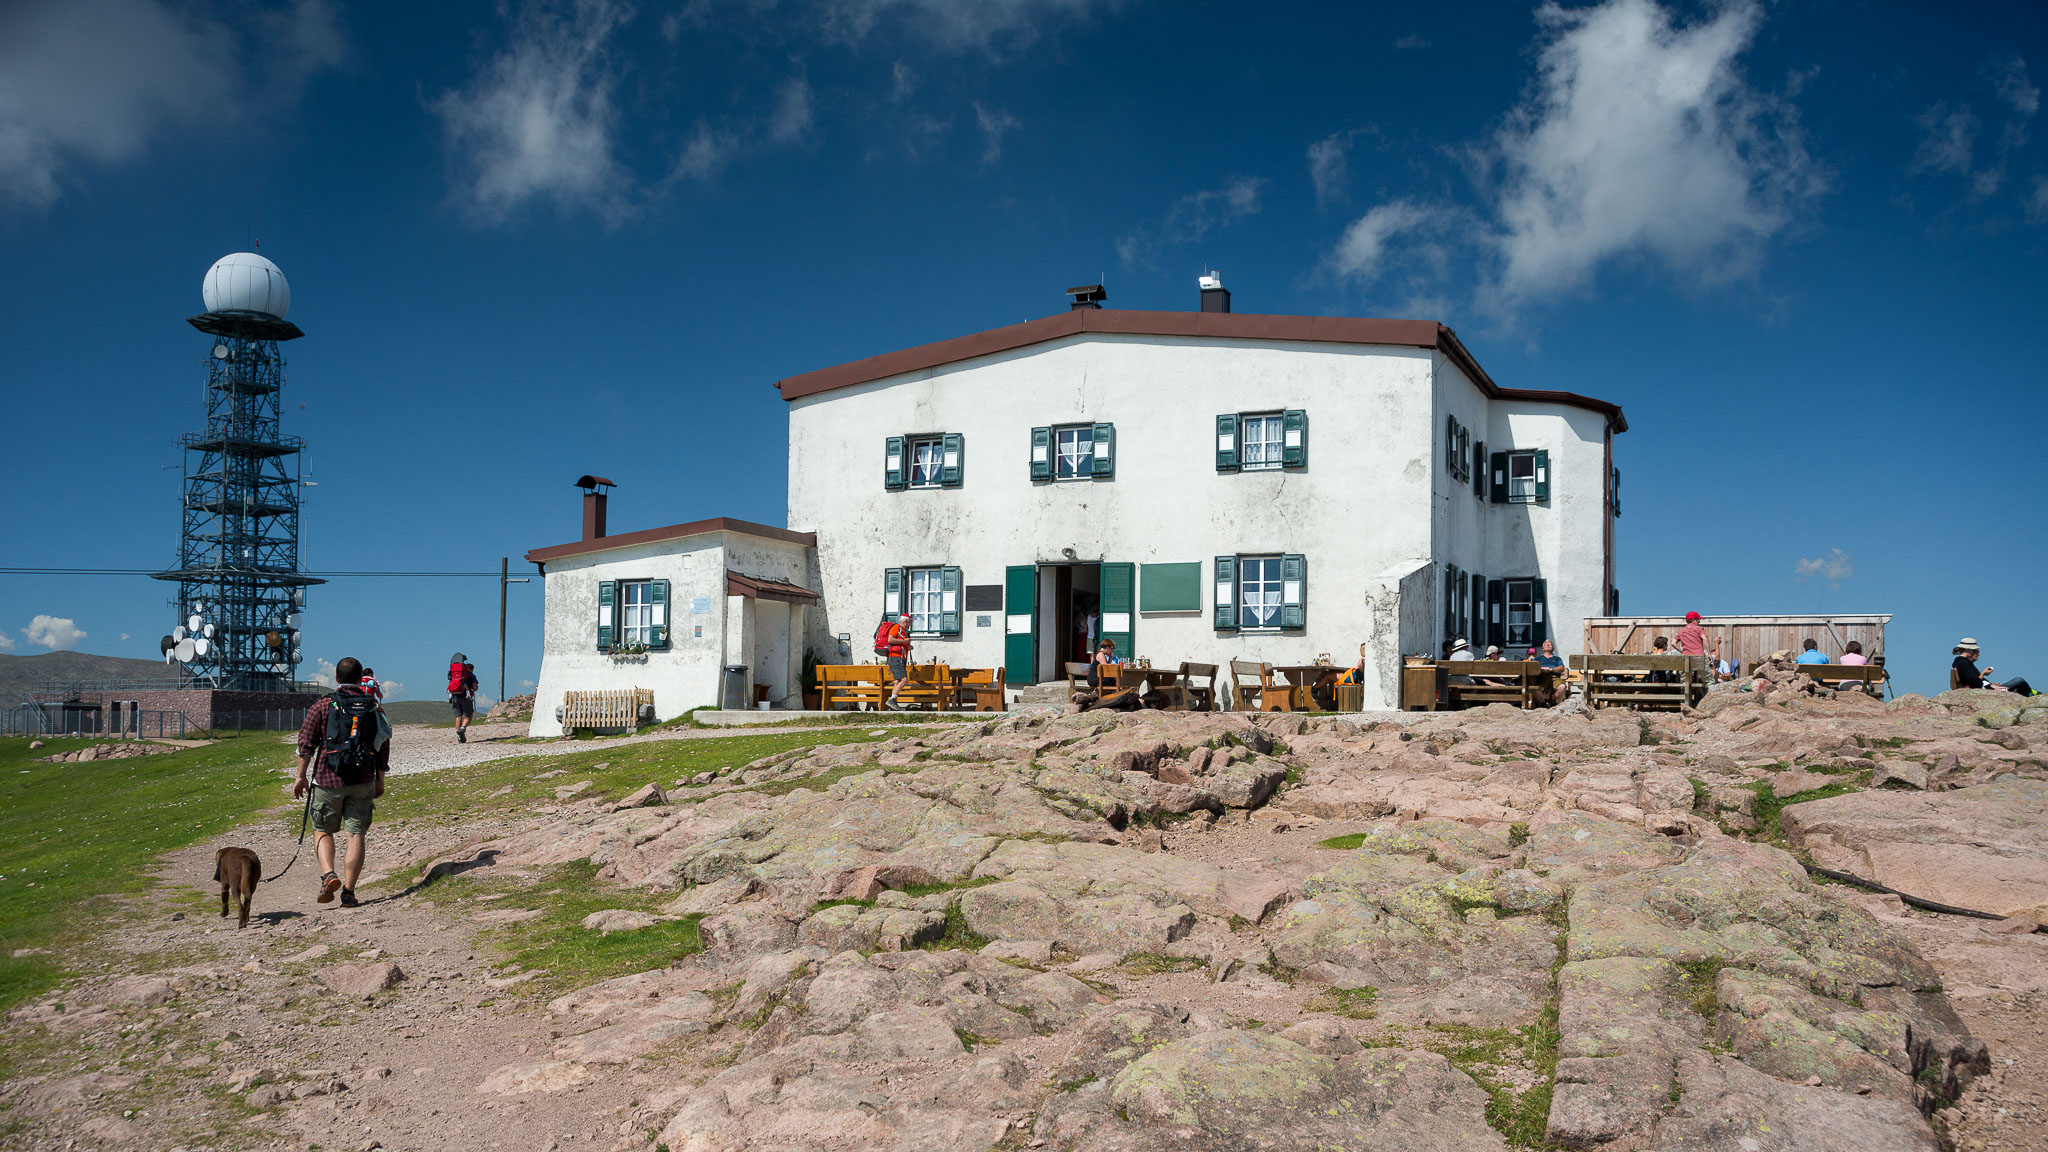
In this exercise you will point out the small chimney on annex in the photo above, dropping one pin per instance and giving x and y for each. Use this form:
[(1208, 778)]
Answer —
[(595, 489), (1215, 297), (1086, 296)]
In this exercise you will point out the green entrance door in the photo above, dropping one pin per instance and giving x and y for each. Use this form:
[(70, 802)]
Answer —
[(1020, 624), (1119, 605)]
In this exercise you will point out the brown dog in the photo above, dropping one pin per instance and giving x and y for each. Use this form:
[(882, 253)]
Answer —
[(239, 871)]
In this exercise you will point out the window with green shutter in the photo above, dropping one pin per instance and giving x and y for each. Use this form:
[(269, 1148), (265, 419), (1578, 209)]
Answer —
[(1528, 477), (607, 592), (1498, 465), (895, 469), (657, 623), (1118, 600), (1226, 593), (1527, 623), (1105, 450), (892, 593), (1293, 592), (1294, 438), (1041, 453), (953, 451), (1496, 618), (949, 601), (1226, 442), (1479, 469)]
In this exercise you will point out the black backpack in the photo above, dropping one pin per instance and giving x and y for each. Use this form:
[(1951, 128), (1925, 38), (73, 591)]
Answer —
[(353, 728)]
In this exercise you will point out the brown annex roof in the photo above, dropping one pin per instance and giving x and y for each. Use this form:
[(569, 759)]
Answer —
[(1221, 325), (762, 589), (672, 532)]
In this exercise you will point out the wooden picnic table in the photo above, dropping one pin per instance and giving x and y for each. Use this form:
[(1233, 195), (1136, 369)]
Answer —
[(1303, 680)]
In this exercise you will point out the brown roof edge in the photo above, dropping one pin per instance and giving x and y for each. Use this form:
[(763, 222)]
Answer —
[(762, 588), (1217, 325), (672, 532)]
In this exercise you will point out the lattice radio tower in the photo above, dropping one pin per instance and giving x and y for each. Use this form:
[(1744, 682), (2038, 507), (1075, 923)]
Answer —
[(240, 590)]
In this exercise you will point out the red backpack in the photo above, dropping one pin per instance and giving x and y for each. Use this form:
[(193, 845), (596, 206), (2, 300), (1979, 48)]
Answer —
[(882, 638), (455, 677)]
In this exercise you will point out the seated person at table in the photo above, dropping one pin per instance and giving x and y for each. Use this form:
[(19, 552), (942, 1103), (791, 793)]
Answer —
[(1550, 660), (1324, 693), (1967, 675), (1661, 646), (1852, 653), (1105, 655), (1459, 650), (1810, 653)]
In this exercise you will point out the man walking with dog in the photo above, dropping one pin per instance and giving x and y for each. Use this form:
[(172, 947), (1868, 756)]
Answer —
[(347, 743)]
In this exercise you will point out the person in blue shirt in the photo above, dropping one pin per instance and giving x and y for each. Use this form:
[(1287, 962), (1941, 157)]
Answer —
[(1812, 654), (1549, 659)]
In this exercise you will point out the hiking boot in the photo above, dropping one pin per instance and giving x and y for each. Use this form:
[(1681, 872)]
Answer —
[(462, 735), (329, 885), (348, 898)]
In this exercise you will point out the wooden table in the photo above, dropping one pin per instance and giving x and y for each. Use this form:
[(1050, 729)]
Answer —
[(1302, 680), (1117, 677)]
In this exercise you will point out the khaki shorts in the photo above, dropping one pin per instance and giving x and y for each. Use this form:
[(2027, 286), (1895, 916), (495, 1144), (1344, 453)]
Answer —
[(351, 806)]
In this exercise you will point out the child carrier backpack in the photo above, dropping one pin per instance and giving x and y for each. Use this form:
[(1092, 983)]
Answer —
[(356, 730), (882, 638), (456, 674)]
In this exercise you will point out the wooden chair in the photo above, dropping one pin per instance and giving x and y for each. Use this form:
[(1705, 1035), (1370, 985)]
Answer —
[(1077, 680), (982, 690), (1259, 694), (1197, 697)]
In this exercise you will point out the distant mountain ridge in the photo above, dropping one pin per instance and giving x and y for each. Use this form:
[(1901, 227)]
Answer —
[(19, 674)]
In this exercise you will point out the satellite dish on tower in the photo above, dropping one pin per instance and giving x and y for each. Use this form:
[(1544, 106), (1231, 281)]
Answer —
[(192, 623), (200, 645), (177, 633), (184, 651), (221, 352)]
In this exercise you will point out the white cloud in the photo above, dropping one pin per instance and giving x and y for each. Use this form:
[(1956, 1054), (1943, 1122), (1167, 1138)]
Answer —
[(6, 642), (93, 81), (538, 121), (1194, 216), (393, 689), (322, 674), (791, 122), (2008, 75), (1948, 136), (1949, 131), (56, 633), (1412, 42), (712, 149), (905, 82), (994, 124), (124, 636), (1326, 165), (1834, 567), (1638, 140), (2037, 204), (959, 24)]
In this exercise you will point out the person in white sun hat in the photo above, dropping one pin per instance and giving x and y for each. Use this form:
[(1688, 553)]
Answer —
[(1967, 675)]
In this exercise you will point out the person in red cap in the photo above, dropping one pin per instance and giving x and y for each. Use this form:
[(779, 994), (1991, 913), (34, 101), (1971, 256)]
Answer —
[(1692, 639)]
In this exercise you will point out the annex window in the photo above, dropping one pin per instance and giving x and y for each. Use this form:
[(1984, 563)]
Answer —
[(1261, 441), (1261, 593), (931, 596), (632, 615), (929, 460), (1457, 449), (1526, 627), (1521, 477), (1073, 452)]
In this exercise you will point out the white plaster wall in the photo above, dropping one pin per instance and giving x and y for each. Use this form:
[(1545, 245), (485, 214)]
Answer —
[(1359, 510), (682, 678)]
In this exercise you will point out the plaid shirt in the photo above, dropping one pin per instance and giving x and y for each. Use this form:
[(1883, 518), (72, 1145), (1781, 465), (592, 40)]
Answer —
[(313, 733)]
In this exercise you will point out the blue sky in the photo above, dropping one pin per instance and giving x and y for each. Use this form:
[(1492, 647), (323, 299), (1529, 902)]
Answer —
[(1802, 243)]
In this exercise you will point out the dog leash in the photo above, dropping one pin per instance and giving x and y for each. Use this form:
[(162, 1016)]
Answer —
[(305, 822)]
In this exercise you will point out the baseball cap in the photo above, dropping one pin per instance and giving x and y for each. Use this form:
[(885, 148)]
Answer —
[(1691, 616)]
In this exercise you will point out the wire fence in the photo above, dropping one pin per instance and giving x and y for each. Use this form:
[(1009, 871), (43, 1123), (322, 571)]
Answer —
[(111, 724)]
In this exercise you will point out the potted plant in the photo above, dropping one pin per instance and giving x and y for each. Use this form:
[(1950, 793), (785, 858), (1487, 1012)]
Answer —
[(813, 697)]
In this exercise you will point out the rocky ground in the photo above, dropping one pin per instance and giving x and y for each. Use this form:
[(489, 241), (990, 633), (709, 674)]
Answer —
[(1146, 931)]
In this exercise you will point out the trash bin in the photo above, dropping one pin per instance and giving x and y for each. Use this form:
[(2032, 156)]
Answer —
[(738, 691)]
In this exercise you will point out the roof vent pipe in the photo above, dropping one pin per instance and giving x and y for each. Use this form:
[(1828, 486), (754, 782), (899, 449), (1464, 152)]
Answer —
[(595, 489), (1215, 297), (1086, 296)]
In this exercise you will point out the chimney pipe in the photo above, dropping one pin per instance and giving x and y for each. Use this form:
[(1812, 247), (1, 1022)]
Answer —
[(1086, 296), (595, 492), (1215, 297)]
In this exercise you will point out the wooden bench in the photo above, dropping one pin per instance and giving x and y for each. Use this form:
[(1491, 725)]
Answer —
[(1517, 682), (1253, 684), (1858, 677), (1077, 680), (982, 690), (1664, 683), (607, 708), (852, 686), (1195, 697)]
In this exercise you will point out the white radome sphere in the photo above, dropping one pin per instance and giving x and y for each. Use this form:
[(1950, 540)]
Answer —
[(246, 282)]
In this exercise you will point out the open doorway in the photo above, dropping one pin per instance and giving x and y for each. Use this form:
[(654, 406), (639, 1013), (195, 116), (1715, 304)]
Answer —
[(1069, 616)]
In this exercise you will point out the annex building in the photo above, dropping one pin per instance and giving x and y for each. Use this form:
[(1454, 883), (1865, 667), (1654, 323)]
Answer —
[(1204, 485)]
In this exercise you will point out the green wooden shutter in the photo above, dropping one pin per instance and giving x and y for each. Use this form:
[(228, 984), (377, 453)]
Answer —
[(1500, 477), (1226, 593), (1542, 475), (949, 601), (1496, 613), (1294, 438), (1293, 592), (1539, 615), (1451, 444), (1617, 492), (895, 469), (952, 451), (1479, 470), (1119, 598), (892, 593), (1226, 443), (1041, 453), (657, 599), (1105, 449), (1020, 623), (1450, 601), (607, 591)]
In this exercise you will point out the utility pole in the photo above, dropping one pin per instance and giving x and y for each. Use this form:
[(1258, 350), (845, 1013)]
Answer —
[(504, 578)]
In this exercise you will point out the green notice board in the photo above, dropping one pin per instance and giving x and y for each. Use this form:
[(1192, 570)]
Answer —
[(1170, 587)]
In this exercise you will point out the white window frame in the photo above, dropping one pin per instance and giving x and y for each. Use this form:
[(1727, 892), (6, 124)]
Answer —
[(636, 616), (1266, 593), (926, 458), (1083, 466), (925, 604), (1521, 621), (1522, 489), (1273, 447)]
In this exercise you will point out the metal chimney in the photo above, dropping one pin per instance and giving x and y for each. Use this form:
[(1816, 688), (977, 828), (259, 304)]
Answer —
[(1215, 297), (594, 495), (1086, 296)]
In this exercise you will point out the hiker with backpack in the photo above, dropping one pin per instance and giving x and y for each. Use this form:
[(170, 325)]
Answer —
[(346, 740), (892, 640), (462, 694)]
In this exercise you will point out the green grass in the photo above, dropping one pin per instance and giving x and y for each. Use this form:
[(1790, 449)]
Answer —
[(1700, 978), (469, 790), (1522, 1118), (72, 835), (1155, 964), (1769, 804), (1345, 843), (555, 943), (1356, 1003)]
